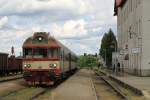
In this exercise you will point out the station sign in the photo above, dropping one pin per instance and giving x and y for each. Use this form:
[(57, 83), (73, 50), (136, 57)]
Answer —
[(136, 50)]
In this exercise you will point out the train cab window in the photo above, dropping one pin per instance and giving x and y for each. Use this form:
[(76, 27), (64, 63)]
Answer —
[(28, 52), (53, 53), (39, 53)]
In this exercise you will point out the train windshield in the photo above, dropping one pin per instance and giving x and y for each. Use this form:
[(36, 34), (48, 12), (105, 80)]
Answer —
[(42, 53), (54, 53), (39, 53), (27, 52)]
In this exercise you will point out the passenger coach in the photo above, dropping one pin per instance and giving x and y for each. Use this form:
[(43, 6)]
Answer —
[(45, 60)]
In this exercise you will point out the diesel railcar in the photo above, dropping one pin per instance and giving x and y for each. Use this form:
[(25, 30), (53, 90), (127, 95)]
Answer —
[(46, 60)]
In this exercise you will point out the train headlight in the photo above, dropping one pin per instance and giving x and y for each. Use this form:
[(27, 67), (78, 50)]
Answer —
[(55, 65), (40, 38), (28, 65), (25, 65)]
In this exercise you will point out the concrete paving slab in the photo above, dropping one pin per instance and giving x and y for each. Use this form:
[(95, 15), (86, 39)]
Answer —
[(140, 83), (78, 87)]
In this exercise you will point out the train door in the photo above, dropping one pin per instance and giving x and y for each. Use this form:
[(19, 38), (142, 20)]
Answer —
[(62, 60), (69, 61), (63, 74)]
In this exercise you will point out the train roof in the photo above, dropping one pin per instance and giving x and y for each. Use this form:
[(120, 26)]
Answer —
[(48, 42), (2, 53), (62, 45)]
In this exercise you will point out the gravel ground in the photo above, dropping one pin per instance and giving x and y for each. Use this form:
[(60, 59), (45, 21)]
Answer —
[(7, 87), (24, 94), (10, 77)]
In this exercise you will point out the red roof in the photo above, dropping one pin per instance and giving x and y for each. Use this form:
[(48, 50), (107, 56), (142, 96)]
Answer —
[(118, 3)]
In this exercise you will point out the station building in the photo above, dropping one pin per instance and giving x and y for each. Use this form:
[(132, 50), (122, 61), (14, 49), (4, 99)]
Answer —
[(133, 32)]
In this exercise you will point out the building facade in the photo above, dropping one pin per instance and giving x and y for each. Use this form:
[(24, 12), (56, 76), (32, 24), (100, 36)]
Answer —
[(133, 31)]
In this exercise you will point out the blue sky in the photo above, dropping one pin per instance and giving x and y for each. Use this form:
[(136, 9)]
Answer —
[(79, 24)]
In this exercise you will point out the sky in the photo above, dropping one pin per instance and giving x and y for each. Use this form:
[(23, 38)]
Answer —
[(78, 24)]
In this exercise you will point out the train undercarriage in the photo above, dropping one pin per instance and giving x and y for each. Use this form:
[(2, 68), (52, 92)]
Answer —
[(45, 77)]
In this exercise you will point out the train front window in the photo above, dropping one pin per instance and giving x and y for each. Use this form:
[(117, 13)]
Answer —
[(39, 53), (27, 52), (53, 53)]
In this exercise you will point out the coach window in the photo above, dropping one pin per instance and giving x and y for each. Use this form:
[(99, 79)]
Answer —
[(40, 53), (28, 52)]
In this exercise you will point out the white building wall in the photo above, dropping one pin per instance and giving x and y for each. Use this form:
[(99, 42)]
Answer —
[(133, 32), (146, 37)]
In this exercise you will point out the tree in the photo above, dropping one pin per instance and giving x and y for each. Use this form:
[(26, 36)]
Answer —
[(87, 61), (108, 45)]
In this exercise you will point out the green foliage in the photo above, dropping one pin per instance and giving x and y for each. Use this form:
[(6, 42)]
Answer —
[(87, 61), (108, 45)]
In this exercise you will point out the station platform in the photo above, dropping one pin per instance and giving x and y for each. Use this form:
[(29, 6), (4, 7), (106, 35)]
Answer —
[(77, 87), (141, 85)]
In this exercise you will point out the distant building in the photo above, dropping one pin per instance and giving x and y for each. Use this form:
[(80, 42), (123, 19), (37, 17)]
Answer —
[(133, 28)]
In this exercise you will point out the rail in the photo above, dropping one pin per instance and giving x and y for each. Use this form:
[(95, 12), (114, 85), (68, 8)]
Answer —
[(117, 90)]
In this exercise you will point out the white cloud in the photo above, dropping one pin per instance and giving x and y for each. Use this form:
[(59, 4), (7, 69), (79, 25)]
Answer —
[(28, 7), (97, 29), (3, 21), (80, 23), (71, 28)]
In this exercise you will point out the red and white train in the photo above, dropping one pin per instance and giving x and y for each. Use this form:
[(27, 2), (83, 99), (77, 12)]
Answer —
[(45, 60)]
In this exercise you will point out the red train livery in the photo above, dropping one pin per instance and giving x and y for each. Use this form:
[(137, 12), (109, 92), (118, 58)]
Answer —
[(46, 60)]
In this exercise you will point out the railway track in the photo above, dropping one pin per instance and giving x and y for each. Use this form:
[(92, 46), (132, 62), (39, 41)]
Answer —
[(28, 93), (105, 91), (118, 90), (10, 78), (39, 94)]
